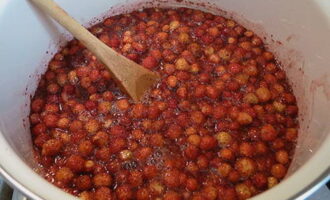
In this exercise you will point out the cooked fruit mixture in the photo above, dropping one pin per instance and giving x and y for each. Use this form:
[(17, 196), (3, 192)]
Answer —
[(220, 124)]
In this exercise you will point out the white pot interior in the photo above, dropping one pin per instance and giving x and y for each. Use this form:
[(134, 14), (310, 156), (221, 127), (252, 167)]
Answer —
[(296, 30)]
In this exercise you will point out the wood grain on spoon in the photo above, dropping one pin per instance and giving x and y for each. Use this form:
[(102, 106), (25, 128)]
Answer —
[(132, 77)]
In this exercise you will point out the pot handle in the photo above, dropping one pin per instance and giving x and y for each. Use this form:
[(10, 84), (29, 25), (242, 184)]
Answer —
[(5, 191)]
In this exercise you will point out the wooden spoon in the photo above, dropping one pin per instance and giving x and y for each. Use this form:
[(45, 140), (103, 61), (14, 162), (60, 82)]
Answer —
[(133, 78)]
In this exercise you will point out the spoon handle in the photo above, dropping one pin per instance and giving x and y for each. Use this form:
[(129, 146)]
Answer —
[(70, 24), (133, 78)]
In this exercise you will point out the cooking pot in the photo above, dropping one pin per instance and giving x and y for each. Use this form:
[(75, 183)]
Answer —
[(298, 31)]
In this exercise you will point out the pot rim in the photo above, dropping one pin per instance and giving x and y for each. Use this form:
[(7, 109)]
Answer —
[(312, 184)]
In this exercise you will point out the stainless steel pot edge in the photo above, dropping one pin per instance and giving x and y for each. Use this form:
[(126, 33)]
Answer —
[(312, 187), (19, 186)]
